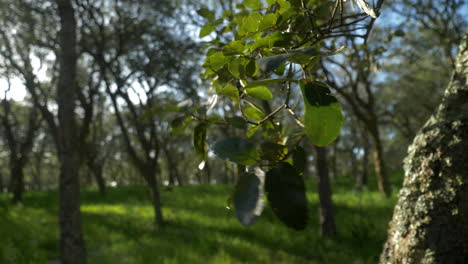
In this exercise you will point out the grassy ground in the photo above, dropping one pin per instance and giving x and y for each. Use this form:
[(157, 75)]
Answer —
[(118, 229)]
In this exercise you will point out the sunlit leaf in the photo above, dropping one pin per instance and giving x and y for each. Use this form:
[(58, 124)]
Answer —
[(268, 21), (229, 91), (364, 6), (235, 47), (207, 29), (323, 118), (253, 4), (253, 112), (260, 92)]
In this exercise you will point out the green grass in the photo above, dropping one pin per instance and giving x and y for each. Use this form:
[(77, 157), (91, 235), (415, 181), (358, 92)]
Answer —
[(119, 229)]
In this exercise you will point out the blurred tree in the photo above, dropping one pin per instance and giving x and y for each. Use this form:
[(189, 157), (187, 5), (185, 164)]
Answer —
[(28, 32), (20, 125), (139, 55), (420, 45), (352, 76)]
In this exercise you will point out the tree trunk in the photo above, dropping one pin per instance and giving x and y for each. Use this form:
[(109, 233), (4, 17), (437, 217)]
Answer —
[(95, 168), (334, 169), (430, 221), (97, 172), (355, 169), (17, 182), (379, 162), (365, 164), (326, 213), (207, 171), (155, 197), (37, 175), (72, 248)]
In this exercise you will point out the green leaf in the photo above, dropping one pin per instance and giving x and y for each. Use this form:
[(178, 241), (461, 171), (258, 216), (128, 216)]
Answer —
[(272, 152), (251, 68), (234, 48), (260, 92), (247, 198), (199, 140), (229, 91), (268, 21), (254, 113), (286, 195), (251, 23), (267, 82), (268, 41), (237, 122), (207, 29), (206, 13), (253, 4), (236, 67), (268, 64), (252, 130), (301, 56), (237, 150), (217, 60), (179, 125), (323, 118)]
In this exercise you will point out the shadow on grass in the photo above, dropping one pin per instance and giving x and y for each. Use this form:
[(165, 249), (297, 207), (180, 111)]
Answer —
[(119, 229)]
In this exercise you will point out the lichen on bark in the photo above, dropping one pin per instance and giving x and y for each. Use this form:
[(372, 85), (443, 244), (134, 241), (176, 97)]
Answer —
[(430, 220)]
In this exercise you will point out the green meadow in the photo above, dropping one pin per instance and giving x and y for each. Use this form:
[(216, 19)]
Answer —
[(201, 229)]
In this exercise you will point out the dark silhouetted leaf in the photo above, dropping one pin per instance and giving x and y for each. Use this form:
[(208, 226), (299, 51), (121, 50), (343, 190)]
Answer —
[(268, 64), (237, 150), (251, 68), (271, 151), (286, 195), (237, 121), (206, 13), (299, 158), (247, 198), (301, 56)]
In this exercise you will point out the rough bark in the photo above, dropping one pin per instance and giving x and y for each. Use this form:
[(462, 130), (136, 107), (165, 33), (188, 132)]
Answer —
[(430, 221), (72, 248), (326, 211)]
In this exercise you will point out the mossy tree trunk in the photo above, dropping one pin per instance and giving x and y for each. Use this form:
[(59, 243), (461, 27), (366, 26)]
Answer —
[(430, 221)]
